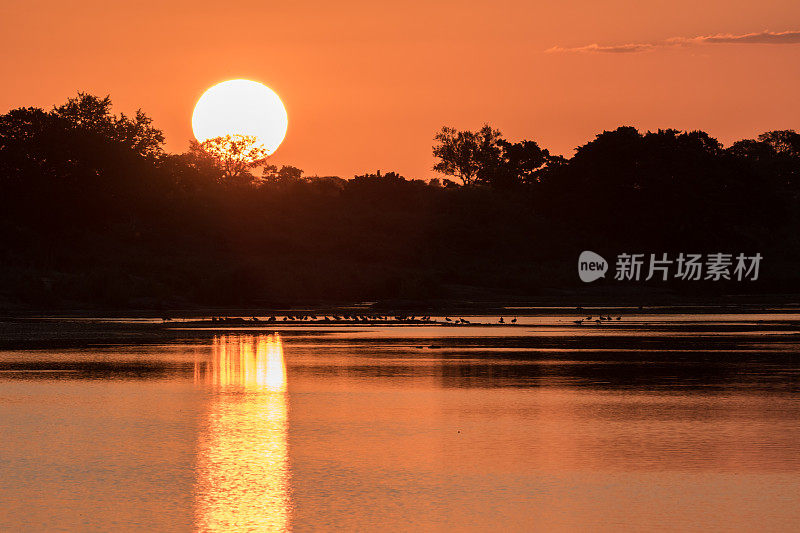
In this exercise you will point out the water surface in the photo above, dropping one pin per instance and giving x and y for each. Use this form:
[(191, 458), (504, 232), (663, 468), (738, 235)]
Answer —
[(653, 423)]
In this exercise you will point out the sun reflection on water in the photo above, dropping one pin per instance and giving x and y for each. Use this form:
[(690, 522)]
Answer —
[(242, 470)]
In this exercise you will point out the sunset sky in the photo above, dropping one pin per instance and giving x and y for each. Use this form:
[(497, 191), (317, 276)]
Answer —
[(367, 84)]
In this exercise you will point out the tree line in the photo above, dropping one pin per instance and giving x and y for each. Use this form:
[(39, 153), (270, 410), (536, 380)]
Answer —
[(95, 211)]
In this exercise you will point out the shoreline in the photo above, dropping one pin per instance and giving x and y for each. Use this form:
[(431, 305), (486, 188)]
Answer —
[(543, 307), (34, 332)]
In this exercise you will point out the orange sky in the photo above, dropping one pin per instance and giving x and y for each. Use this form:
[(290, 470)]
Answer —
[(367, 84)]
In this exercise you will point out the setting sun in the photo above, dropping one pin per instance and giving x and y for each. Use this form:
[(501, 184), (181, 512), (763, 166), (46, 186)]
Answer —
[(241, 107)]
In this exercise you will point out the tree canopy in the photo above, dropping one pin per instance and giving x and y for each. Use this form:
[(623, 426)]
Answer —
[(94, 210), (77, 140), (234, 154), (483, 157)]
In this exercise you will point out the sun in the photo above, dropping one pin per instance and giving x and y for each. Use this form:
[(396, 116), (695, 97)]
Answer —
[(241, 107)]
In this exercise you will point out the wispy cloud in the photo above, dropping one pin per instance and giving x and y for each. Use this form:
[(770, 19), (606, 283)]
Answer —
[(764, 37)]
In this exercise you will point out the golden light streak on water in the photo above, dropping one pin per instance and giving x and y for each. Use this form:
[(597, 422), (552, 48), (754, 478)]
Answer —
[(242, 458)]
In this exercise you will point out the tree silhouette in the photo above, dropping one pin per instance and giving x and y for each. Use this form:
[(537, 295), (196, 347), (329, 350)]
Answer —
[(484, 157), (91, 113), (286, 175), (235, 154), (80, 141), (782, 141), (517, 164), (464, 154), (92, 211)]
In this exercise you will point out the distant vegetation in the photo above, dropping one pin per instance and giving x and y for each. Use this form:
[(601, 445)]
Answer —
[(95, 212)]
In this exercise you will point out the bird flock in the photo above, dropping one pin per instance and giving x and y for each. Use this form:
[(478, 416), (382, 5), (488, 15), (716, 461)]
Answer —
[(341, 319), (377, 319), (337, 319), (599, 320)]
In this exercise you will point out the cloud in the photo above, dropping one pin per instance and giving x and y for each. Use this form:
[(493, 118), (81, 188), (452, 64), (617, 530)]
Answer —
[(764, 37), (618, 49)]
